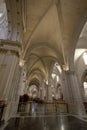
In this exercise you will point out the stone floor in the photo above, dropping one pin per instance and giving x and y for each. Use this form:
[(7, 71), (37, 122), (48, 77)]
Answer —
[(46, 123)]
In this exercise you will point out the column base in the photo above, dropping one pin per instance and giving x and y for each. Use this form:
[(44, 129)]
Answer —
[(75, 109)]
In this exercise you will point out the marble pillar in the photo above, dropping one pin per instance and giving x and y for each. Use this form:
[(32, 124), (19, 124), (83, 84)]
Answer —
[(73, 95), (9, 78)]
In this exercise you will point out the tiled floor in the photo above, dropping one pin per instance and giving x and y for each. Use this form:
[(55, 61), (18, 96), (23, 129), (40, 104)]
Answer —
[(46, 123)]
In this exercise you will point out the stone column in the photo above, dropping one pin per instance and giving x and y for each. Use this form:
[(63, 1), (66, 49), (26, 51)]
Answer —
[(47, 91), (73, 95), (43, 87), (9, 77), (22, 84), (7, 68), (13, 93), (40, 93)]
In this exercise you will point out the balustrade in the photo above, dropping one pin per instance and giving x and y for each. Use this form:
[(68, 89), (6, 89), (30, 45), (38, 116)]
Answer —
[(31, 107)]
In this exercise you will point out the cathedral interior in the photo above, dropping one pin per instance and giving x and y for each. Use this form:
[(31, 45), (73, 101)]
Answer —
[(43, 64)]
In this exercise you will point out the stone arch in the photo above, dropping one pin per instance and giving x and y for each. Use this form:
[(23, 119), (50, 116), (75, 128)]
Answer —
[(75, 39)]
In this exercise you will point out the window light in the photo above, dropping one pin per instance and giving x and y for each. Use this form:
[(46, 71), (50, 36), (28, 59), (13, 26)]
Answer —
[(53, 75), (85, 58), (85, 84), (58, 67), (1, 15), (46, 82), (57, 78)]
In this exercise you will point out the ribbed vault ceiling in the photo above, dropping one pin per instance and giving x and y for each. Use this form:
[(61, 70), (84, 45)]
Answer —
[(54, 27), (52, 31)]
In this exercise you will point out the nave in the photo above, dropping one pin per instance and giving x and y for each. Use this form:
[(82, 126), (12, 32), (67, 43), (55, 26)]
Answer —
[(43, 57)]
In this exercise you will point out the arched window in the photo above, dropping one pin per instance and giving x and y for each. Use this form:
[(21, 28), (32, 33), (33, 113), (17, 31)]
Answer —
[(85, 86), (3, 20), (2, 9), (33, 91)]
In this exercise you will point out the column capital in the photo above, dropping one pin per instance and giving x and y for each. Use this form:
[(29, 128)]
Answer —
[(10, 43), (70, 72), (6, 51), (10, 46)]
